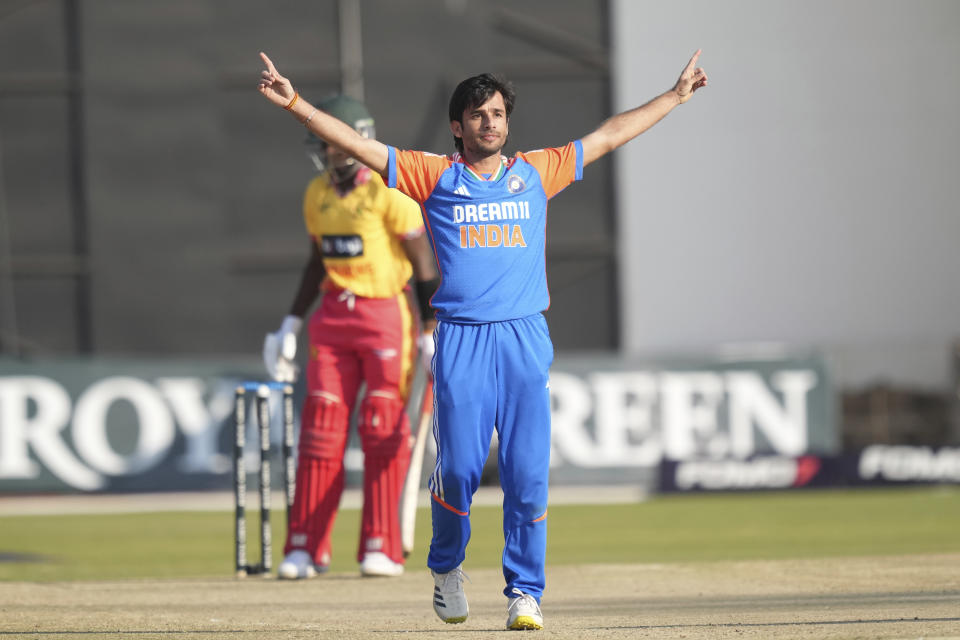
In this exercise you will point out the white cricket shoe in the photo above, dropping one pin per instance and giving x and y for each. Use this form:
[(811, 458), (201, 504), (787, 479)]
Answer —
[(377, 564), (449, 601), (296, 566), (523, 612)]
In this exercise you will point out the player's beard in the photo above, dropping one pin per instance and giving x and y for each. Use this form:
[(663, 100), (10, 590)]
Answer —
[(483, 148), (344, 174)]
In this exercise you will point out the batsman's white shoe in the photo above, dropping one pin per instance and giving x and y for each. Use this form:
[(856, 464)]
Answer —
[(449, 601), (296, 566), (523, 612), (376, 564)]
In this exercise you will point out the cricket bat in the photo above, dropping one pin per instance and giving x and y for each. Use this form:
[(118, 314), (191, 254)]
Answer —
[(411, 486)]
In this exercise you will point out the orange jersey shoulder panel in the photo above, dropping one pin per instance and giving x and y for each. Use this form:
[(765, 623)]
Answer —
[(418, 172), (557, 166)]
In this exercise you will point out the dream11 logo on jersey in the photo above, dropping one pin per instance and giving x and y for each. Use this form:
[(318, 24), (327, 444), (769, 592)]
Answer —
[(491, 235)]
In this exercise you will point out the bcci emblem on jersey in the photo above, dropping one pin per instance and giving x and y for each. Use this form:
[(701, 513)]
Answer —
[(515, 184)]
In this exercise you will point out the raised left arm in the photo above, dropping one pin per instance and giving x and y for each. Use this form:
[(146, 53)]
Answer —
[(623, 127)]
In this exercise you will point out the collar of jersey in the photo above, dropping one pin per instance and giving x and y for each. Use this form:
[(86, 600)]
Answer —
[(501, 169)]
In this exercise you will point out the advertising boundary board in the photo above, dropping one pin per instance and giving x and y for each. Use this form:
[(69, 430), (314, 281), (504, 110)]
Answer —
[(98, 425), (876, 465)]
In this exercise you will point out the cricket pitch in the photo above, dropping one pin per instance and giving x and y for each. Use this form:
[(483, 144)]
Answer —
[(867, 597)]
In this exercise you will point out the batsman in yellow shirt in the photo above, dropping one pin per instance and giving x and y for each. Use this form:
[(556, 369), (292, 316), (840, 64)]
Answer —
[(366, 243)]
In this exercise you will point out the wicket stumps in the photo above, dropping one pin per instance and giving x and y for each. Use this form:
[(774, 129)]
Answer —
[(262, 407)]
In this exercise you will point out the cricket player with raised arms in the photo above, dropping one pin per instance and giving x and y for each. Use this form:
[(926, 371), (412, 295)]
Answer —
[(486, 219)]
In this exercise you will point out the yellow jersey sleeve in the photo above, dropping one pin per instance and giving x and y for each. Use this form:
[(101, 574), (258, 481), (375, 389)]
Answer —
[(403, 216), (312, 198)]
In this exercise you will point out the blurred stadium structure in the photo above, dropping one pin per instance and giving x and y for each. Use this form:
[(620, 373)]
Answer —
[(150, 199), (154, 205)]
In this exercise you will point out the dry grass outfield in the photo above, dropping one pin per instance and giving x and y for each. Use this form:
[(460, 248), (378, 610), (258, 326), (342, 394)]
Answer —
[(916, 596)]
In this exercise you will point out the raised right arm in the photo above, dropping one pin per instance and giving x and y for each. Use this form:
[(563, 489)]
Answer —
[(626, 126), (279, 90)]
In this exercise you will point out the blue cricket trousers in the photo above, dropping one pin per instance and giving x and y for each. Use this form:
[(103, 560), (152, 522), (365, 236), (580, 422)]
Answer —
[(487, 376)]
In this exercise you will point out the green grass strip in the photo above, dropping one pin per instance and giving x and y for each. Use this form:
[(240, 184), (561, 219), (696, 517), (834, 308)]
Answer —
[(665, 529)]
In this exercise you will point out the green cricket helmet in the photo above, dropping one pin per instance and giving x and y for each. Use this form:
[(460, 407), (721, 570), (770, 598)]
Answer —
[(354, 113)]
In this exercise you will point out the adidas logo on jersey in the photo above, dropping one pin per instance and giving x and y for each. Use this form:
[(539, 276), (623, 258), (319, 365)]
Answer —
[(462, 191)]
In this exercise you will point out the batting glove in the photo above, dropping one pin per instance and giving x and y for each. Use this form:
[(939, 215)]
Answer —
[(427, 347), (280, 349)]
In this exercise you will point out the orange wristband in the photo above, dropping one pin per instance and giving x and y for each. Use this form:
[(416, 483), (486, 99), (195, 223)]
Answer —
[(296, 96)]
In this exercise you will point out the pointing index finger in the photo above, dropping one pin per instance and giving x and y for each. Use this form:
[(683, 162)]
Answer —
[(272, 69), (690, 65)]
